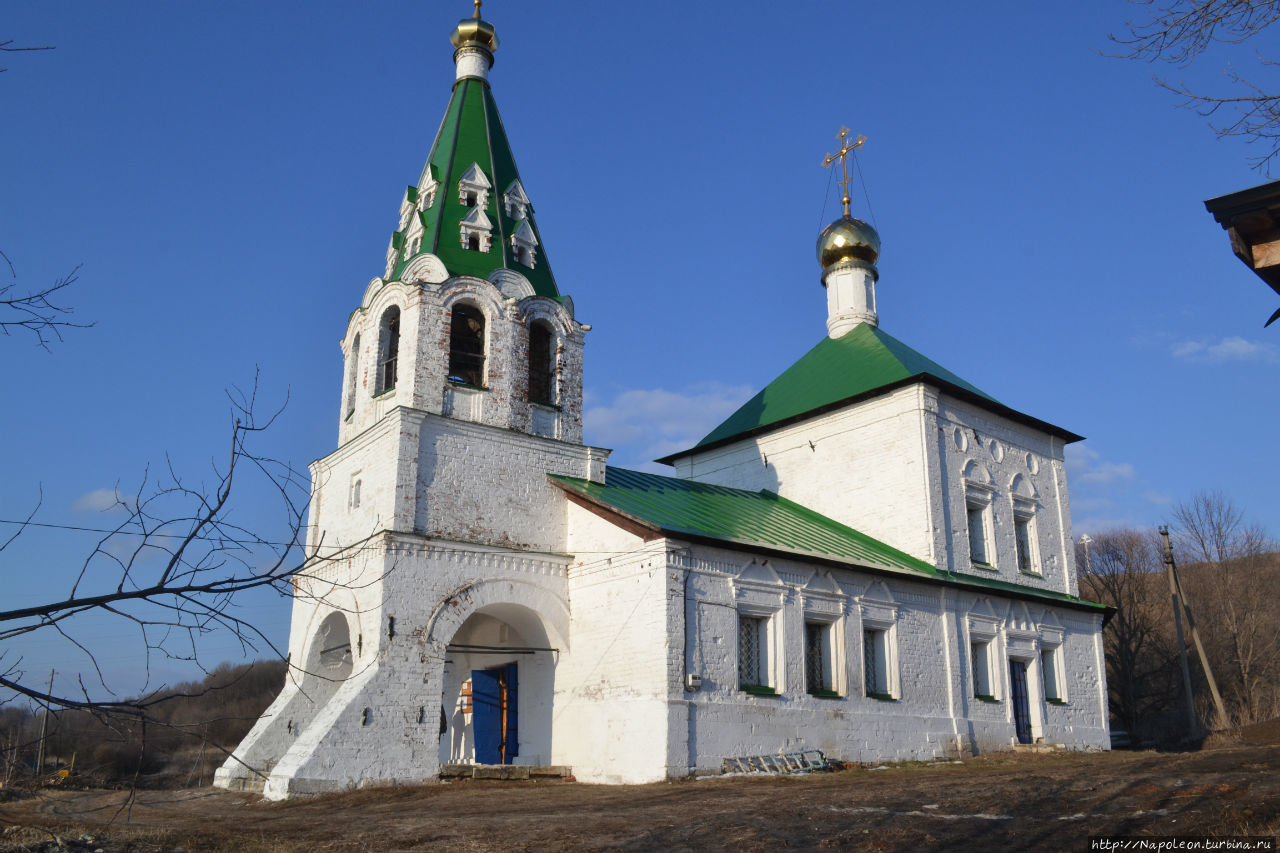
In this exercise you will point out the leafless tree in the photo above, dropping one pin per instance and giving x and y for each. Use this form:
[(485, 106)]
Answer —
[(1178, 32), (1142, 676), (172, 567), (1234, 588), (41, 312)]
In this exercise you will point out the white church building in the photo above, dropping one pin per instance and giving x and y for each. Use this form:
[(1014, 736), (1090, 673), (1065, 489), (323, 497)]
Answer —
[(871, 557)]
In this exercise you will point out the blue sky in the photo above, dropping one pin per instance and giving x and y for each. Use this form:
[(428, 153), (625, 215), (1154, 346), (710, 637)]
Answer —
[(229, 175)]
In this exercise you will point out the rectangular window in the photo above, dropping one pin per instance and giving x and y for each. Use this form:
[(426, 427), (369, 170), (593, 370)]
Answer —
[(752, 670), (977, 516), (817, 659), (1049, 675), (1024, 534), (981, 653), (875, 663)]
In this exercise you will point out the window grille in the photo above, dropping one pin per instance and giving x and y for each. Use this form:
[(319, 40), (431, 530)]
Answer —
[(872, 668), (815, 657), (750, 629)]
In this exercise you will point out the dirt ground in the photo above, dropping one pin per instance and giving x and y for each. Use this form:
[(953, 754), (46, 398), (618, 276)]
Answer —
[(1003, 802)]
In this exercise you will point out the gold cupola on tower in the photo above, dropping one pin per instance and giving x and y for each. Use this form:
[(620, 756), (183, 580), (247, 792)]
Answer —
[(848, 238), (474, 38)]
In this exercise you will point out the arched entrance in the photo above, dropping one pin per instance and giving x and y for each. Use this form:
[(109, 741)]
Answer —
[(329, 660), (499, 683)]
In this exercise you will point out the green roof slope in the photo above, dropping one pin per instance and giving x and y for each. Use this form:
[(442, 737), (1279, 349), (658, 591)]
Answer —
[(765, 520), (861, 362), (472, 132)]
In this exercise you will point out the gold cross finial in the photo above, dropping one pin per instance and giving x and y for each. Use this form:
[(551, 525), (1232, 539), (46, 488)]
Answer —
[(477, 14), (847, 147)]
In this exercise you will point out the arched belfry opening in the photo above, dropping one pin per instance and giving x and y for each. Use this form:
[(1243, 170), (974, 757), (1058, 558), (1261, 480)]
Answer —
[(353, 378), (542, 363), (388, 349), (499, 681), (466, 345)]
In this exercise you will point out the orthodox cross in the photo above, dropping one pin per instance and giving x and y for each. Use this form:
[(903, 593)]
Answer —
[(847, 148)]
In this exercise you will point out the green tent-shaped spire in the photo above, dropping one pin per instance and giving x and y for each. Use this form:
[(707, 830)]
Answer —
[(471, 158)]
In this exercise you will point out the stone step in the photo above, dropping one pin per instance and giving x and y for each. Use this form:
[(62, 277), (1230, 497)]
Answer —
[(1038, 747), (506, 771)]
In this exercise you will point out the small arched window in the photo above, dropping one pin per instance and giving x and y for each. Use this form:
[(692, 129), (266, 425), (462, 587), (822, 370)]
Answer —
[(466, 346), (388, 349), (353, 377), (542, 365)]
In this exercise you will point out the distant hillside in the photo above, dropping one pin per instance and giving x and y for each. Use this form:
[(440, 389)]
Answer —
[(194, 725)]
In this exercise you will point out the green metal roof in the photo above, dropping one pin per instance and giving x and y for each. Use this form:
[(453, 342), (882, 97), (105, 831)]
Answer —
[(765, 520), (864, 361), (472, 132)]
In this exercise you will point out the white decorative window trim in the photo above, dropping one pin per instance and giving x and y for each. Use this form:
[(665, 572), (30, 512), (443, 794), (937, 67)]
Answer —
[(983, 628), (978, 500), (524, 244), (1052, 677), (821, 599), (474, 182), (476, 224), (392, 256), (515, 201), (427, 190)]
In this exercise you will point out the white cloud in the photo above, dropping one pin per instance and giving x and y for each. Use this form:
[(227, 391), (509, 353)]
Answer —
[(643, 424), (100, 500), (1227, 349), (1087, 466)]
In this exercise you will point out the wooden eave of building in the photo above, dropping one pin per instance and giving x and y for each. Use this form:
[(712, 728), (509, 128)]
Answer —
[(1251, 219)]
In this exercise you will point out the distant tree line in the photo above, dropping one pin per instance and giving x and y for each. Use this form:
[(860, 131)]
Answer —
[(188, 733), (1230, 573)]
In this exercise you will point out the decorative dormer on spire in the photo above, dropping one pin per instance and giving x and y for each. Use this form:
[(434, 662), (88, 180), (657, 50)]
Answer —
[(847, 250)]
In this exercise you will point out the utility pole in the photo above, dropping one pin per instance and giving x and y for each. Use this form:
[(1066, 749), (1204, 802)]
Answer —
[(44, 726), (1191, 623)]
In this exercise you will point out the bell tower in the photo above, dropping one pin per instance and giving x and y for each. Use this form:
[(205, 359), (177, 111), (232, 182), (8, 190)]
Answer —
[(434, 521)]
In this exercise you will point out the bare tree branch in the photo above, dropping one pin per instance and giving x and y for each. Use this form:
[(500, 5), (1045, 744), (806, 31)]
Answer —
[(1177, 32), (41, 312), (175, 564), (8, 47)]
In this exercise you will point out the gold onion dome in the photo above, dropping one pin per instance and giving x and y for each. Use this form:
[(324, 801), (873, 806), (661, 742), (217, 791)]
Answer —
[(474, 32), (847, 239)]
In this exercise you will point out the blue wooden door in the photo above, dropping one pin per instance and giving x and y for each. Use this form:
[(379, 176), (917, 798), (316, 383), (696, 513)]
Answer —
[(1021, 706), (486, 715), (494, 722)]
